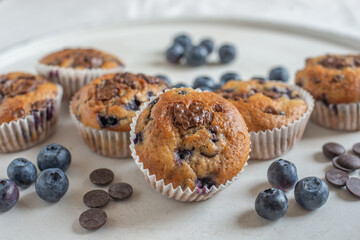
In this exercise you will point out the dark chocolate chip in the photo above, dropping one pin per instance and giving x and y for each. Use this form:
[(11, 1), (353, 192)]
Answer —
[(138, 138), (349, 161), (101, 176), (338, 166), (332, 150), (107, 121), (218, 108), (106, 90), (336, 177), (334, 62), (353, 186), (120, 191), (209, 155), (92, 219), (270, 110), (96, 198), (356, 148)]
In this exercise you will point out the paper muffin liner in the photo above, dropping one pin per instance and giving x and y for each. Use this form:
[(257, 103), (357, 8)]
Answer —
[(31, 130), (104, 142), (168, 190), (70, 78), (274, 143), (344, 117)]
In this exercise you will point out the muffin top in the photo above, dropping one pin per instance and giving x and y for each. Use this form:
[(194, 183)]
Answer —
[(332, 79), (80, 58), (22, 93), (192, 139), (264, 104), (110, 102)]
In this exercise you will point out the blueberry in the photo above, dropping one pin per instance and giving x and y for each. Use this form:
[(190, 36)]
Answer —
[(311, 193), (204, 182), (228, 77), (108, 121), (22, 172), (196, 56), (227, 53), (208, 44), (180, 85), (183, 40), (271, 204), (54, 156), (175, 53), (279, 73), (52, 184), (165, 78), (282, 174), (204, 81), (9, 194)]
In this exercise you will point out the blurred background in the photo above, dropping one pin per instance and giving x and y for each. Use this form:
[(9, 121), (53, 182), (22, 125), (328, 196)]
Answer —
[(23, 19)]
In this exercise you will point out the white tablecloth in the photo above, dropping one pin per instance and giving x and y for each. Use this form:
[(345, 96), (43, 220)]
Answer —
[(24, 19)]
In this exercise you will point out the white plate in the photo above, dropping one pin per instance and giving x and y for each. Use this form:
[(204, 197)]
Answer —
[(148, 214)]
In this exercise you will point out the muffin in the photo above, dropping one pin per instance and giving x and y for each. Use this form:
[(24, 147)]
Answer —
[(73, 68), (29, 106), (270, 108), (104, 108), (334, 82), (190, 144)]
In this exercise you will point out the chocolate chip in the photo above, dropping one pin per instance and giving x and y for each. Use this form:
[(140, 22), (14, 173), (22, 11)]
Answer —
[(107, 121), (353, 186), (209, 155), (205, 182), (336, 177), (96, 198), (92, 219), (194, 116), (270, 110), (356, 148), (338, 166), (272, 94), (120, 191), (18, 113), (138, 138), (106, 90), (182, 155), (150, 79), (349, 161), (101, 176), (337, 62), (332, 150), (218, 108)]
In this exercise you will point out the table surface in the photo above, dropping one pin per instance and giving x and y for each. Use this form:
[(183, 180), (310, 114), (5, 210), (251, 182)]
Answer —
[(148, 214)]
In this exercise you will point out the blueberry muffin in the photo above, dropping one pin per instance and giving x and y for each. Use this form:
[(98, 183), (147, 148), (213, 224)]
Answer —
[(31, 99), (193, 140), (73, 68), (264, 104), (109, 103), (334, 82)]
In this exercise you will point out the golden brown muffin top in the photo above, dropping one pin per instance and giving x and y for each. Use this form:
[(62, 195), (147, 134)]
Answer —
[(264, 104), (332, 79), (80, 58), (192, 139), (110, 102), (22, 93)]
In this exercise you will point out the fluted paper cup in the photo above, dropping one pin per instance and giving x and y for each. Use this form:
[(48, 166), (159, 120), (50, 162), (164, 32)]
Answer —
[(187, 195), (70, 78), (276, 142), (104, 142), (31, 130), (343, 117)]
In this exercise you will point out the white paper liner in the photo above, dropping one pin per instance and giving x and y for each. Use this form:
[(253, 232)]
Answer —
[(70, 78), (31, 130), (168, 190), (344, 117), (102, 141), (274, 143)]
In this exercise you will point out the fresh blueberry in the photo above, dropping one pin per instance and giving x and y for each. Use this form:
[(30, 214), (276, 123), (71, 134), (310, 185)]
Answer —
[(204, 81), (282, 174), (311, 193), (279, 73), (228, 77), (271, 204), (165, 78), (183, 40), (22, 172), (227, 53), (54, 156), (9, 194), (180, 85), (175, 53), (52, 184), (208, 44), (196, 56), (217, 86)]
